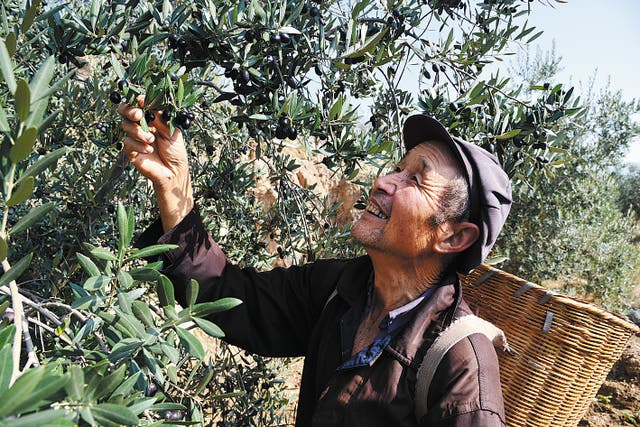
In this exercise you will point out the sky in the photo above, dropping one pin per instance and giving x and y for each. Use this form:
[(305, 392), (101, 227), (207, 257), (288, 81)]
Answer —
[(594, 36)]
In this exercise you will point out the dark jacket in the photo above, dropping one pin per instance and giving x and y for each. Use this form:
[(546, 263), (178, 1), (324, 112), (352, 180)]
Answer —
[(284, 314)]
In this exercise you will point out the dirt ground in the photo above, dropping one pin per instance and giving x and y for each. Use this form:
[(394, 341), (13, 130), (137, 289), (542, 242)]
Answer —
[(618, 400)]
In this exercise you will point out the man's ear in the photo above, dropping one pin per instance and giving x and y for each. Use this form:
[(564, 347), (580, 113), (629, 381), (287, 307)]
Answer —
[(454, 238)]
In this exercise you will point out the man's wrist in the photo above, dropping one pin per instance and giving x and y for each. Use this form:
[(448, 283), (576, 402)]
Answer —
[(174, 207)]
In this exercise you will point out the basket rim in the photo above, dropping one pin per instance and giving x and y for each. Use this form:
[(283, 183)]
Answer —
[(561, 298)]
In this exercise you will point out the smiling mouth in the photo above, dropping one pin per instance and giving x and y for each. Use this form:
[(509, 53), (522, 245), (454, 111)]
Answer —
[(375, 211)]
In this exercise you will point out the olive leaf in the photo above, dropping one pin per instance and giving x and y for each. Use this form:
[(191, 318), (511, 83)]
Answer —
[(6, 67), (34, 215), (10, 42), (22, 193), (22, 99), (23, 146), (30, 15), (43, 162), (190, 343), (4, 248), (165, 291), (4, 123)]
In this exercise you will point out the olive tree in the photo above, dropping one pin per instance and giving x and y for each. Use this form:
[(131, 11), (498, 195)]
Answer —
[(574, 228)]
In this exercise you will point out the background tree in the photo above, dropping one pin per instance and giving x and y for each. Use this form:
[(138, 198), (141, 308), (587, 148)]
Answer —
[(629, 180), (574, 228)]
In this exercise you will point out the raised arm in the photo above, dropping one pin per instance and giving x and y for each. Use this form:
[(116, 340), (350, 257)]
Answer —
[(279, 307), (162, 158)]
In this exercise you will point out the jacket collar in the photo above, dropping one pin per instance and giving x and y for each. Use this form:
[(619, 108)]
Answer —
[(353, 283), (431, 316)]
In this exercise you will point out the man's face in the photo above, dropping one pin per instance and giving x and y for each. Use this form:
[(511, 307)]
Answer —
[(402, 203)]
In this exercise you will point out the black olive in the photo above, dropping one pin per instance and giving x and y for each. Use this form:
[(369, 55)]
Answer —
[(250, 36), (543, 160), (149, 116), (115, 97), (167, 114), (152, 388), (283, 121), (245, 76), (280, 133)]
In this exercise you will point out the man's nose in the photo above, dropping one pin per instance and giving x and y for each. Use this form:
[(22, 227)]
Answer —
[(386, 183)]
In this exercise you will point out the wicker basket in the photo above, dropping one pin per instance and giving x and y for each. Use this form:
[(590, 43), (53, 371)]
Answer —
[(564, 347)]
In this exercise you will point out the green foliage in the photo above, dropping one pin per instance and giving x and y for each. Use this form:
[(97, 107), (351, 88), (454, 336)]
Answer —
[(629, 198), (570, 228), (115, 347), (574, 233)]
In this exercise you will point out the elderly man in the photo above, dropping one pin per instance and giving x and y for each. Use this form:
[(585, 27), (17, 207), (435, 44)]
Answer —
[(362, 324)]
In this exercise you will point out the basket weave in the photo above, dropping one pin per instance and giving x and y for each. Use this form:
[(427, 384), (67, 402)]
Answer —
[(564, 347)]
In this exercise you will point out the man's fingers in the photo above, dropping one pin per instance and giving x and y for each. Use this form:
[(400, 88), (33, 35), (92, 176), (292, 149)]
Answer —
[(134, 146), (162, 127), (163, 130), (130, 112), (135, 131), (140, 100)]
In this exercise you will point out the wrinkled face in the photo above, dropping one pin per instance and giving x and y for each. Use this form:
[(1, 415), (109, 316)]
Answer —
[(402, 203)]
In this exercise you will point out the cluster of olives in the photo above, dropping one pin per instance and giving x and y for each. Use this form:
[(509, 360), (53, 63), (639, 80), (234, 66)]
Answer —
[(285, 130), (193, 52), (274, 38), (437, 69), (103, 127), (173, 415), (241, 78), (313, 11), (542, 160), (540, 136), (115, 96), (182, 118)]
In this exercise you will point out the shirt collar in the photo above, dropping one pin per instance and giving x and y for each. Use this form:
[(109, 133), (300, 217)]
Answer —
[(398, 316)]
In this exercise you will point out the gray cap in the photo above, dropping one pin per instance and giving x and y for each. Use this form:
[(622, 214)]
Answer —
[(489, 185)]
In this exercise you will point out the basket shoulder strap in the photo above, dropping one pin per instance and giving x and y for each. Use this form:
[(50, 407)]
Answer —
[(458, 330)]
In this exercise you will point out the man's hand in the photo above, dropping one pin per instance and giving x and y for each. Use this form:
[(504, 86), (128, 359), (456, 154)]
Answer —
[(162, 158)]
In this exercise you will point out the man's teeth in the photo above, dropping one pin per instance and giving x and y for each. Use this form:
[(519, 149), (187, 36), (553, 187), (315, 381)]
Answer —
[(372, 209)]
